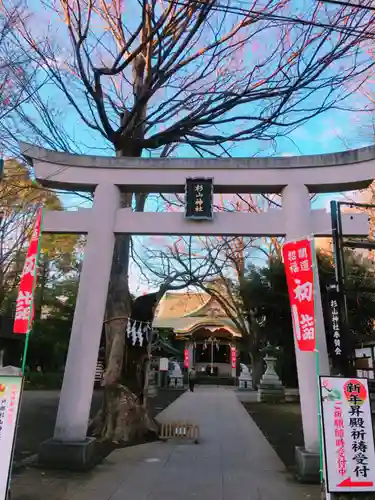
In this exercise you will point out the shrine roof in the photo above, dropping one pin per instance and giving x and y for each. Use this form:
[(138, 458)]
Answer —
[(195, 304), (188, 325), (176, 305), (186, 312)]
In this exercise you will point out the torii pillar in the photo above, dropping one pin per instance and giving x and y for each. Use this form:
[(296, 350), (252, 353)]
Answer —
[(299, 225), (293, 177)]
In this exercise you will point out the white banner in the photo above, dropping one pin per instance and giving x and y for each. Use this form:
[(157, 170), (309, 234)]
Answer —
[(163, 364), (348, 434), (10, 394)]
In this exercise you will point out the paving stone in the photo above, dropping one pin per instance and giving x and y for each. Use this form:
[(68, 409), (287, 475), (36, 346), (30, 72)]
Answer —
[(232, 461)]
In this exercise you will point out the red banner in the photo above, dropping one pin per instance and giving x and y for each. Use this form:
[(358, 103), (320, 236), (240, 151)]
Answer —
[(186, 358), (24, 305), (298, 262), (234, 357)]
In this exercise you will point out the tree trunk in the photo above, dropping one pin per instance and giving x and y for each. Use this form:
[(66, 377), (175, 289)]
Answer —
[(123, 415)]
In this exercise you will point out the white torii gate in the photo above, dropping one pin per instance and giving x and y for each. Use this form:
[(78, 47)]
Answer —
[(294, 177)]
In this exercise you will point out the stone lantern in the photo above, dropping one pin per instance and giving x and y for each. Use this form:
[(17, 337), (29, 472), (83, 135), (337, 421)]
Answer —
[(270, 389)]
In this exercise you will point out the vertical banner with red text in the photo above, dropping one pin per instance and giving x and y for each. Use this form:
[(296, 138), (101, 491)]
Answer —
[(24, 305), (233, 352), (186, 358), (300, 275)]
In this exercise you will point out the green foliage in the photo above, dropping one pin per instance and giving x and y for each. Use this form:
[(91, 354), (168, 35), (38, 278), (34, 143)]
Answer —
[(49, 343), (50, 336), (58, 274), (264, 290), (361, 306), (37, 380), (20, 197)]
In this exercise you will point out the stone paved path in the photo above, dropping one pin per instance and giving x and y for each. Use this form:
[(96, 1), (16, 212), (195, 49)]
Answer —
[(232, 462)]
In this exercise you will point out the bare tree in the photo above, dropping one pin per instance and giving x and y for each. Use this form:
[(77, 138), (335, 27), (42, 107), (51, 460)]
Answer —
[(217, 266), (197, 73), (18, 76), (20, 198)]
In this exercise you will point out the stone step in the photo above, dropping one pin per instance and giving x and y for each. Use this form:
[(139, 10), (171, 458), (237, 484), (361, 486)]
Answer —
[(212, 380)]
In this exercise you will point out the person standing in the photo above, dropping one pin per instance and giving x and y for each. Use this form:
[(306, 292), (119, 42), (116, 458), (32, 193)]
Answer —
[(192, 379)]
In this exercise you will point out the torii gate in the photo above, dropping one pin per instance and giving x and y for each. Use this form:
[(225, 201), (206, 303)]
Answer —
[(293, 177)]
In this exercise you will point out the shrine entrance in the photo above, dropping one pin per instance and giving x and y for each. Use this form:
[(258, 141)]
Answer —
[(209, 338), (294, 178), (211, 354)]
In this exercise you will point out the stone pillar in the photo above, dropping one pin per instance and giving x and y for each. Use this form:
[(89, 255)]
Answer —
[(77, 388), (297, 216)]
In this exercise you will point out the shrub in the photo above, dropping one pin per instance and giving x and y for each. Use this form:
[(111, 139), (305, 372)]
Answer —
[(37, 380)]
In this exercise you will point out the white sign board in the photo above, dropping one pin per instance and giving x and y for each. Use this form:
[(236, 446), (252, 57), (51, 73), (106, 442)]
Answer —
[(10, 393), (163, 364), (348, 434)]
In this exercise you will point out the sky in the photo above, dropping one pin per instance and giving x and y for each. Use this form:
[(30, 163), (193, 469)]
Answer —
[(328, 133), (333, 131)]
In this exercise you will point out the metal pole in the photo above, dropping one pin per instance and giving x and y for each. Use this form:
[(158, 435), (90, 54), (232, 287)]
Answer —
[(335, 241), (338, 265), (343, 270), (348, 341), (338, 257)]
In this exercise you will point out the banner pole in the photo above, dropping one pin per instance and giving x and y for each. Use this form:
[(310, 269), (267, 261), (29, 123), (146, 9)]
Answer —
[(321, 464), (26, 346), (25, 353), (31, 319), (317, 363)]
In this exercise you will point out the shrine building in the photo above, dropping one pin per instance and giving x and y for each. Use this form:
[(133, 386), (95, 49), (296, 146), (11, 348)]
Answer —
[(210, 340)]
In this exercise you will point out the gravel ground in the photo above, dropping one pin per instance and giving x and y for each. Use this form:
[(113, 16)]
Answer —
[(281, 424)]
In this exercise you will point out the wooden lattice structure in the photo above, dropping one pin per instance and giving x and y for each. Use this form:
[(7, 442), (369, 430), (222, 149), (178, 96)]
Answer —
[(180, 430)]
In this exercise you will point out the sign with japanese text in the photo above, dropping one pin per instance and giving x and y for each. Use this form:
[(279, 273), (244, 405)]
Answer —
[(233, 352), (10, 394), (186, 358), (198, 198), (348, 434), (298, 262), (337, 338), (334, 322), (24, 305)]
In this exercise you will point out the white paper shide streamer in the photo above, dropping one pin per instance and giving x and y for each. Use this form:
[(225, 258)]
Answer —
[(138, 331)]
